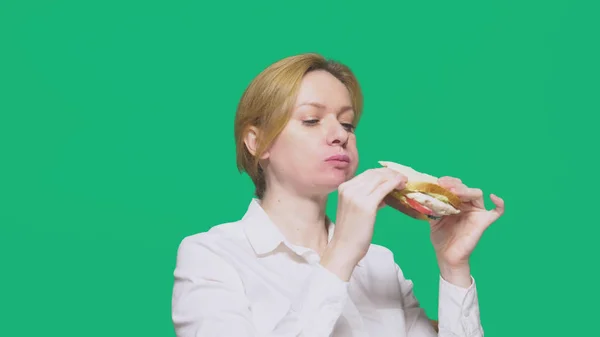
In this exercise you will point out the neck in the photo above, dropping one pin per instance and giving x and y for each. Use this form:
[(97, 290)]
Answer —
[(301, 219)]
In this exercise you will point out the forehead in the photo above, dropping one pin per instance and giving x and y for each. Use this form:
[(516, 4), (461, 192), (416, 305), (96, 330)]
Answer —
[(323, 88)]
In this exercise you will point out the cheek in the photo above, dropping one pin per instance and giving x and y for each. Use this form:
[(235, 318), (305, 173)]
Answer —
[(298, 148), (292, 155), (352, 149)]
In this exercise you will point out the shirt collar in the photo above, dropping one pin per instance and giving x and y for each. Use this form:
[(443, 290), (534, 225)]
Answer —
[(262, 233)]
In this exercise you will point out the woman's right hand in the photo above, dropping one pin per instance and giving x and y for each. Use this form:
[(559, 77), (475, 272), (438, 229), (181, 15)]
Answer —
[(359, 199)]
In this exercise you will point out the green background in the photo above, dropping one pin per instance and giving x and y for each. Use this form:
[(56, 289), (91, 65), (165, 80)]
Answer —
[(116, 138)]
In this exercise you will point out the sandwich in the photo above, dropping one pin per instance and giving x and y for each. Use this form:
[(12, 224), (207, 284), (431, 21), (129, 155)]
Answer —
[(422, 198)]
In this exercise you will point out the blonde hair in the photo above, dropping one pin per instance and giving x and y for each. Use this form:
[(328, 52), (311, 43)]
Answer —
[(268, 101)]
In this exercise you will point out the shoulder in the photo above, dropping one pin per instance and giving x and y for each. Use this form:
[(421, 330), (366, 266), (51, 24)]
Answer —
[(220, 232), (211, 254), (214, 242)]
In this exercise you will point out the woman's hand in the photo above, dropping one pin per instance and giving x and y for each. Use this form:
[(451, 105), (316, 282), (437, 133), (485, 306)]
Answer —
[(359, 199), (454, 237)]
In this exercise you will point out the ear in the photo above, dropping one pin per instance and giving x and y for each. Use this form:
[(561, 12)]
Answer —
[(251, 141)]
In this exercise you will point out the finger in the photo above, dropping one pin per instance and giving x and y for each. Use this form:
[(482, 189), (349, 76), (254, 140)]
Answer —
[(362, 176), (372, 177), (498, 211), (449, 182), (384, 176), (467, 194), (473, 195), (386, 187), (363, 182)]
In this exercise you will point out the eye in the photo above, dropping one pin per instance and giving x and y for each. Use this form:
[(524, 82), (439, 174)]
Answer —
[(349, 127), (310, 122)]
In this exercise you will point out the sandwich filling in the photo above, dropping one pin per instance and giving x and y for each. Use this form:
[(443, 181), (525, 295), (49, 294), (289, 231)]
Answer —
[(429, 205)]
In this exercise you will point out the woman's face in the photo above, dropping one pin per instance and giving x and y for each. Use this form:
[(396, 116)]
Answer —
[(316, 151)]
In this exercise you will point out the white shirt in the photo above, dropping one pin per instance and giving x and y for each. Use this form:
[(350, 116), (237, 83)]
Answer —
[(243, 279)]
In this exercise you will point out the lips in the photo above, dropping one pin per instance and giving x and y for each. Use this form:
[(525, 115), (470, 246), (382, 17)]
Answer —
[(339, 157)]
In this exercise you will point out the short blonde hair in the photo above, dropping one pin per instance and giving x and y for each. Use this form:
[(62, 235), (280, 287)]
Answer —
[(268, 101)]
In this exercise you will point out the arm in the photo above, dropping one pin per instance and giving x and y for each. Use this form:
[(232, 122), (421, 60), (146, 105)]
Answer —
[(458, 311), (209, 300)]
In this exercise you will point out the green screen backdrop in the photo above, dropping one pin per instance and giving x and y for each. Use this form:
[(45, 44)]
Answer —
[(116, 142)]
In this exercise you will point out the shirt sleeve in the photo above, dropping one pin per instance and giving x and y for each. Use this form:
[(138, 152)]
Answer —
[(209, 300), (458, 311)]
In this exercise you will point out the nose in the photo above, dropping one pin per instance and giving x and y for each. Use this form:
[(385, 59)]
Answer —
[(336, 133)]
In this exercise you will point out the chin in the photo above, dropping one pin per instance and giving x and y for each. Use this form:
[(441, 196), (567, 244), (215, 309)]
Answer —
[(326, 181), (332, 182), (322, 190)]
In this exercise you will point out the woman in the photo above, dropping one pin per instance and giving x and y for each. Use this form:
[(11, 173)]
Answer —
[(284, 269)]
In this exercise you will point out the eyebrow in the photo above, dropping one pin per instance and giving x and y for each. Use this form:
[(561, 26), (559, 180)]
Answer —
[(321, 106)]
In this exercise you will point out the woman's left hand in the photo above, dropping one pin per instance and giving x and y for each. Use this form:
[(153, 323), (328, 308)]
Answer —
[(454, 237)]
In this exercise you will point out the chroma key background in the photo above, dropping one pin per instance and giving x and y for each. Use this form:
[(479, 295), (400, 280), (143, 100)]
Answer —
[(116, 142)]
